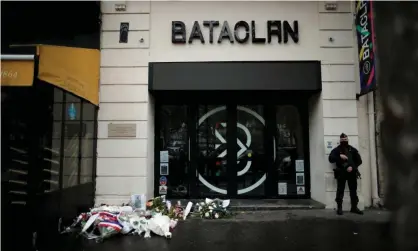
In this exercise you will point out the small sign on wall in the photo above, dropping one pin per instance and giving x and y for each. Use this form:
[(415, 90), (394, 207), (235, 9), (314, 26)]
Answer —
[(163, 181), (299, 165), (163, 168), (162, 190), (300, 179), (121, 130), (330, 144), (164, 156), (300, 190)]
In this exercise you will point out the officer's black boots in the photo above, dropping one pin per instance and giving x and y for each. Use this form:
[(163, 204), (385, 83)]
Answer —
[(340, 209), (355, 210)]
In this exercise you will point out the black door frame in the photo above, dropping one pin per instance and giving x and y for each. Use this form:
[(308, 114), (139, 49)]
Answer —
[(271, 185)]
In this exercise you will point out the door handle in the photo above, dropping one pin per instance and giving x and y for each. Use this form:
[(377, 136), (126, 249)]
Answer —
[(274, 147), (190, 153), (34, 240), (59, 225)]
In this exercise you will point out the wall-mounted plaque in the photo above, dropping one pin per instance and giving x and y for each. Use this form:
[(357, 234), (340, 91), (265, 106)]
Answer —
[(121, 130)]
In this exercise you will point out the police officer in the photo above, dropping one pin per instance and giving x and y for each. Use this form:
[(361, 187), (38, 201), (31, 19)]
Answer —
[(347, 160)]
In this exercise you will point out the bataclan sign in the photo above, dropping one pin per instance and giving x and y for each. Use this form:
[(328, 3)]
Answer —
[(282, 30)]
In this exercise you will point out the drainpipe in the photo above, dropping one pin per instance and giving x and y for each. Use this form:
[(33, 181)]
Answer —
[(372, 147)]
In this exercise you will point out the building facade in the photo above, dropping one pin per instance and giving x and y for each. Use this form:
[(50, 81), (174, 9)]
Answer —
[(283, 75)]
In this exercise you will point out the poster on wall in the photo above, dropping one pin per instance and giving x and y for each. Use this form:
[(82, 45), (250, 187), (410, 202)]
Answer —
[(366, 46), (163, 168), (163, 156), (282, 188), (300, 179), (299, 166)]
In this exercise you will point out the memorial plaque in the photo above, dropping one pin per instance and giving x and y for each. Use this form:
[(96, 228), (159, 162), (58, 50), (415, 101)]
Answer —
[(121, 130)]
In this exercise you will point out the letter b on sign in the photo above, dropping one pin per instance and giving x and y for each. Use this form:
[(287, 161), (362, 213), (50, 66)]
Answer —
[(178, 32)]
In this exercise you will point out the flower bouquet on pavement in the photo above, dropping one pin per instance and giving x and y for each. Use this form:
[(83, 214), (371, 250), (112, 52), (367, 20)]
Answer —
[(213, 209), (175, 212), (156, 205)]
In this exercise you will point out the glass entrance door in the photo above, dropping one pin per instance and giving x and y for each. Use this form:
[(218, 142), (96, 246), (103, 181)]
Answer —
[(231, 156), (230, 151), (252, 159), (212, 160), (172, 155), (290, 168)]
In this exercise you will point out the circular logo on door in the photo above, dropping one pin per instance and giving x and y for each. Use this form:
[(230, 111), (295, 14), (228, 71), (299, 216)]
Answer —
[(242, 148)]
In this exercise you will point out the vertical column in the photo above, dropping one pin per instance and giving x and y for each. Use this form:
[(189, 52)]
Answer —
[(122, 163), (339, 69)]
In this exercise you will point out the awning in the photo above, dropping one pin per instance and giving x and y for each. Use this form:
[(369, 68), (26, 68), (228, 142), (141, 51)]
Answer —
[(17, 70), (76, 70)]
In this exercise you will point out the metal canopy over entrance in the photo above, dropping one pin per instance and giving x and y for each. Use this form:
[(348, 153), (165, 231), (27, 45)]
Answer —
[(236, 76)]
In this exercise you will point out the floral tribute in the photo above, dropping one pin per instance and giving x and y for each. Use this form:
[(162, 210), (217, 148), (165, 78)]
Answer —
[(156, 205), (175, 212), (157, 216), (213, 209)]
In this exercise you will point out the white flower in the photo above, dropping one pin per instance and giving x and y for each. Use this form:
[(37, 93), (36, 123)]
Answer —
[(210, 207), (202, 203), (216, 216), (210, 210), (207, 214)]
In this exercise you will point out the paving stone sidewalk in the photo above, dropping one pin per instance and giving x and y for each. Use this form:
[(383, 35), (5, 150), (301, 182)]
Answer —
[(265, 230)]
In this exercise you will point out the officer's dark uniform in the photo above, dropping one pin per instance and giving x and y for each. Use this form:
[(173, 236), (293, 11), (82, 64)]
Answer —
[(342, 175)]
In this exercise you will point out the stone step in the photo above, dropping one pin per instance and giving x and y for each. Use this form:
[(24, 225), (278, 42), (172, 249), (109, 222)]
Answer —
[(269, 204), (276, 204)]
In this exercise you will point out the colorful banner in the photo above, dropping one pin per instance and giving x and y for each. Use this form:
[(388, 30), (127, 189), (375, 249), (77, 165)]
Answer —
[(366, 46)]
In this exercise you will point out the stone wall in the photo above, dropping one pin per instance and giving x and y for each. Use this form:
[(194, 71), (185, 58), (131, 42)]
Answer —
[(126, 166), (122, 163)]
